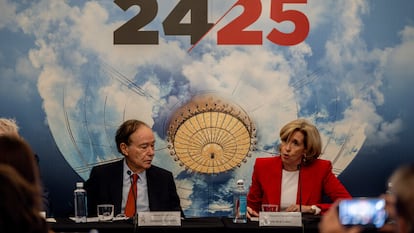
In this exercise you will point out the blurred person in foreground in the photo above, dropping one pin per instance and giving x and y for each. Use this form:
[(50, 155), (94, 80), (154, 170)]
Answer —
[(9, 126), (17, 153), (399, 205), (111, 183), (20, 204), (296, 179), (20, 187)]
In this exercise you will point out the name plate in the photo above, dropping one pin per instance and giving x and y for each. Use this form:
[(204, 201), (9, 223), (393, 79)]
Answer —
[(159, 218), (280, 219)]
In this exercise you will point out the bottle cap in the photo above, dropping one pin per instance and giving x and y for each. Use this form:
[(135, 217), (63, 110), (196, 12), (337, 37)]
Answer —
[(240, 182), (79, 184)]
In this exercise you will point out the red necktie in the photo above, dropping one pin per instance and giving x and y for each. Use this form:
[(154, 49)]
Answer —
[(132, 197)]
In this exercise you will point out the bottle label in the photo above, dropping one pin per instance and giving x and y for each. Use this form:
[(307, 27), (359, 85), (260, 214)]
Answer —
[(243, 205), (80, 205)]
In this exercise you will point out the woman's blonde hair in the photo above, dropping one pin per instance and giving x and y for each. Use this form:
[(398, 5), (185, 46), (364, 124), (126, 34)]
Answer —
[(8, 126), (312, 139)]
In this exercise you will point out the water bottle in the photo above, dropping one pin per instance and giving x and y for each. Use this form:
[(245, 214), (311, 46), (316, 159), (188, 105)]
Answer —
[(81, 210), (239, 203)]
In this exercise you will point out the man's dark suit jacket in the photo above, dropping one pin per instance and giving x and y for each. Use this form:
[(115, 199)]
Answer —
[(104, 186)]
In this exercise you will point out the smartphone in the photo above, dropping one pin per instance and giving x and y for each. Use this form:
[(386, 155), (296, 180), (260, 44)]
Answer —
[(364, 212)]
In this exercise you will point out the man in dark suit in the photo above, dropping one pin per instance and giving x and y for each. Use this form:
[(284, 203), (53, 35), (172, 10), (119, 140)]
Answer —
[(110, 183)]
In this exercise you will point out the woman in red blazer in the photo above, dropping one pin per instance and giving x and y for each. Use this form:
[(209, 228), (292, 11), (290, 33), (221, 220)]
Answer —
[(296, 179)]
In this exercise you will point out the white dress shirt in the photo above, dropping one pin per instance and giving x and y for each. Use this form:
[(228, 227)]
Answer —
[(142, 199)]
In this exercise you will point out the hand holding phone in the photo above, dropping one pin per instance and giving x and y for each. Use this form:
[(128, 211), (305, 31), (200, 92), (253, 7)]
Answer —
[(364, 212)]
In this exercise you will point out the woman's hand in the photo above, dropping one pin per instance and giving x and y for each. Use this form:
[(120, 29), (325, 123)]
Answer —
[(296, 208), (292, 208), (251, 213)]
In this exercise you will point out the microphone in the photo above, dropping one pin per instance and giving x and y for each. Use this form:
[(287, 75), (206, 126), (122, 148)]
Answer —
[(133, 191), (135, 218), (300, 188)]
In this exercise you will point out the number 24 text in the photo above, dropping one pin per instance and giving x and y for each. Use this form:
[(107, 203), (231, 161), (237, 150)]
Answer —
[(234, 33)]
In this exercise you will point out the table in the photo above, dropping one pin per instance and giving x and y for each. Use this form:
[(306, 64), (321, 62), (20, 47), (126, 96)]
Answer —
[(310, 225), (193, 225)]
